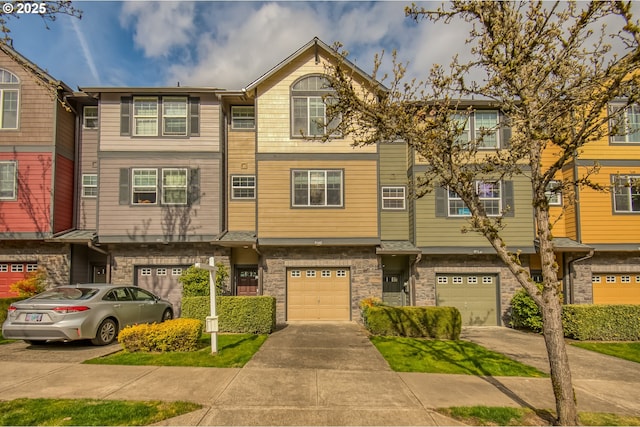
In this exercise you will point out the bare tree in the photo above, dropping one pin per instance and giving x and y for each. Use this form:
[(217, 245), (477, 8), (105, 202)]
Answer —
[(48, 11), (549, 68)]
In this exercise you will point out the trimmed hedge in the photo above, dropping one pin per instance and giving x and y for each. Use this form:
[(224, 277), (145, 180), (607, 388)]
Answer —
[(602, 322), (426, 322), (172, 335), (248, 315)]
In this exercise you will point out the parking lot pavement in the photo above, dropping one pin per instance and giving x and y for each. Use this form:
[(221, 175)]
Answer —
[(55, 352)]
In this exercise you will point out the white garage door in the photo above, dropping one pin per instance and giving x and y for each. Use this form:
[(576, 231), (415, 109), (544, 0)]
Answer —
[(318, 294), (475, 295)]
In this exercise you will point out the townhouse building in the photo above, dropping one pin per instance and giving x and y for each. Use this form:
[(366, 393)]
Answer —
[(166, 177)]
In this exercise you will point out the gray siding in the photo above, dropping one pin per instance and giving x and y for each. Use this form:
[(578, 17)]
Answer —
[(88, 159)]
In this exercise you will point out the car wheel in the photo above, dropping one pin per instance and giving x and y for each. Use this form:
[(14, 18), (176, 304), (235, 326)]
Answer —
[(167, 315), (106, 333)]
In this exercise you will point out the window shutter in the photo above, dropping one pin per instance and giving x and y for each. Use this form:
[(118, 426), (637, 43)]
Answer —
[(194, 116), (441, 202), (505, 132), (125, 116), (194, 187), (508, 199), (124, 186)]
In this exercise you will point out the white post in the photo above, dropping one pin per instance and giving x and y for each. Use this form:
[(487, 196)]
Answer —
[(212, 320)]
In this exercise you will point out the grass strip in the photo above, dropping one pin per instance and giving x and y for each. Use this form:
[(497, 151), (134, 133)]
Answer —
[(623, 350)]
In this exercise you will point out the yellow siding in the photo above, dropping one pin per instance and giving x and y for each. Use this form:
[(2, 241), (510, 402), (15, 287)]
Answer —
[(241, 153), (274, 118), (242, 215), (358, 217), (599, 223), (110, 139)]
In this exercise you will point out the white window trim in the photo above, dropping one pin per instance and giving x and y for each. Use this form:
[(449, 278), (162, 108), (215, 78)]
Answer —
[(17, 268), (133, 187), (310, 273), (176, 271), (145, 117), (554, 194), (165, 116), (31, 268), (341, 273), (4, 268), (611, 279), (87, 186), (296, 273), (14, 196), (309, 172), (161, 271), (243, 117), (394, 198), (3, 91), (238, 186), (326, 273), (616, 109), (477, 131), (145, 271), (627, 187), (184, 187), (467, 213), (596, 279), (85, 116)]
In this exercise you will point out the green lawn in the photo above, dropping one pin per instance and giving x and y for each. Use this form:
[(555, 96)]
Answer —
[(492, 416), (623, 350), (234, 351), (86, 412), (448, 357)]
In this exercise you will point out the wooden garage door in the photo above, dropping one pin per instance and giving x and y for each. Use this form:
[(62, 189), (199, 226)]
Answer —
[(11, 272), (162, 281), (475, 295), (616, 288), (318, 294)]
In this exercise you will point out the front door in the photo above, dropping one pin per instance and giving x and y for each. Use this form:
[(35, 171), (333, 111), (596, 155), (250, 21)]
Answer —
[(393, 289), (99, 274), (247, 281)]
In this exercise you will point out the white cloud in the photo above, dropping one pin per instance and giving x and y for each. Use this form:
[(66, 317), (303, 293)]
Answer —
[(159, 27)]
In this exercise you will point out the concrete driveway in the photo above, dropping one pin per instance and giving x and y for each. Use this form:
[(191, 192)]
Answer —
[(70, 352)]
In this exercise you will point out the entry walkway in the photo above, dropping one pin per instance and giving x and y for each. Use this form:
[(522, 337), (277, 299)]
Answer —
[(322, 374)]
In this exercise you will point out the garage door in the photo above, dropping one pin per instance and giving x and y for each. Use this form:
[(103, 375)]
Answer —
[(616, 288), (162, 281), (11, 272), (318, 294), (474, 295)]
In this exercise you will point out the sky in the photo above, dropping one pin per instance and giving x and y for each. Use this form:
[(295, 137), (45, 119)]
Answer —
[(223, 44)]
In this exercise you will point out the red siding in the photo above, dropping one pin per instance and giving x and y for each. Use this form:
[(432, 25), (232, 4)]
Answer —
[(63, 195), (30, 213)]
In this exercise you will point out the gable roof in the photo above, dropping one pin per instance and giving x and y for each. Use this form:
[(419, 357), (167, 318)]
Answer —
[(317, 44)]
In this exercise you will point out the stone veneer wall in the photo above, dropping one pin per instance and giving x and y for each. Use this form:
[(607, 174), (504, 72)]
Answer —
[(429, 265), (54, 257), (364, 265), (580, 277), (125, 257)]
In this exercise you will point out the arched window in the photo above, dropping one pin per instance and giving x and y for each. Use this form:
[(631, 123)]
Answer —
[(9, 95), (308, 108)]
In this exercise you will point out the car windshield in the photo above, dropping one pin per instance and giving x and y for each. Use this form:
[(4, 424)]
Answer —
[(68, 293)]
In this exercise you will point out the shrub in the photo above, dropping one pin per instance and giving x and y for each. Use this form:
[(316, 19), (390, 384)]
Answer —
[(33, 284), (602, 322), (195, 281), (172, 335), (525, 313), (254, 315), (425, 322)]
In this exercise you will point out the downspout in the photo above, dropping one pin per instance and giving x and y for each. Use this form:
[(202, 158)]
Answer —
[(571, 271), (412, 279)]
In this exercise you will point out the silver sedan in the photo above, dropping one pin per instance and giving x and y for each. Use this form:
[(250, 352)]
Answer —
[(89, 311)]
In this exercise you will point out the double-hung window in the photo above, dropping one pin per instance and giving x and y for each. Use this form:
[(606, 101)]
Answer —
[(145, 116), (174, 115), (174, 186), (89, 185), (462, 123), (626, 194), (90, 117), (309, 96), (9, 95), (489, 194), (8, 180), (144, 186), (393, 198), (481, 126), (554, 193), (243, 117), (317, 188), (243, 187), (624, 123)]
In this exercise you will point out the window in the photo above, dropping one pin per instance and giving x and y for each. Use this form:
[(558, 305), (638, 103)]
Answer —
[(145, 116), (554, 194), (145, 186), (487, 280), (341, 273), (626, 193), (317, 188), (90, 117), (311, 273), (8, 180), (174, 116), (9, 94), (456, 280), (637, 279), (174, 186), (611, 279), (443, 280), (486, 129), (393, 197), (489, 194), (176, 271), (625, 279), (462, 122), (472, 280), (89, 185), (326, 273), (161, 271), (596, 279), (243, 187), (624, 123), (4, 268), (308, 98), (145, 272), (243, 117), (17, 268), (31, 268), (295, 273)]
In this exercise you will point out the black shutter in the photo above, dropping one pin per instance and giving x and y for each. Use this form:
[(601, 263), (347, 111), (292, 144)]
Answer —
[(505, 132), (508, 200), (194, 116), (125, 116), (441, 202), (124, 186), (194, 187)]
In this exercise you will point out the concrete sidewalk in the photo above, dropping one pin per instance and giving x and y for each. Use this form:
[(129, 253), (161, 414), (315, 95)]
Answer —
[(324, 374)]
